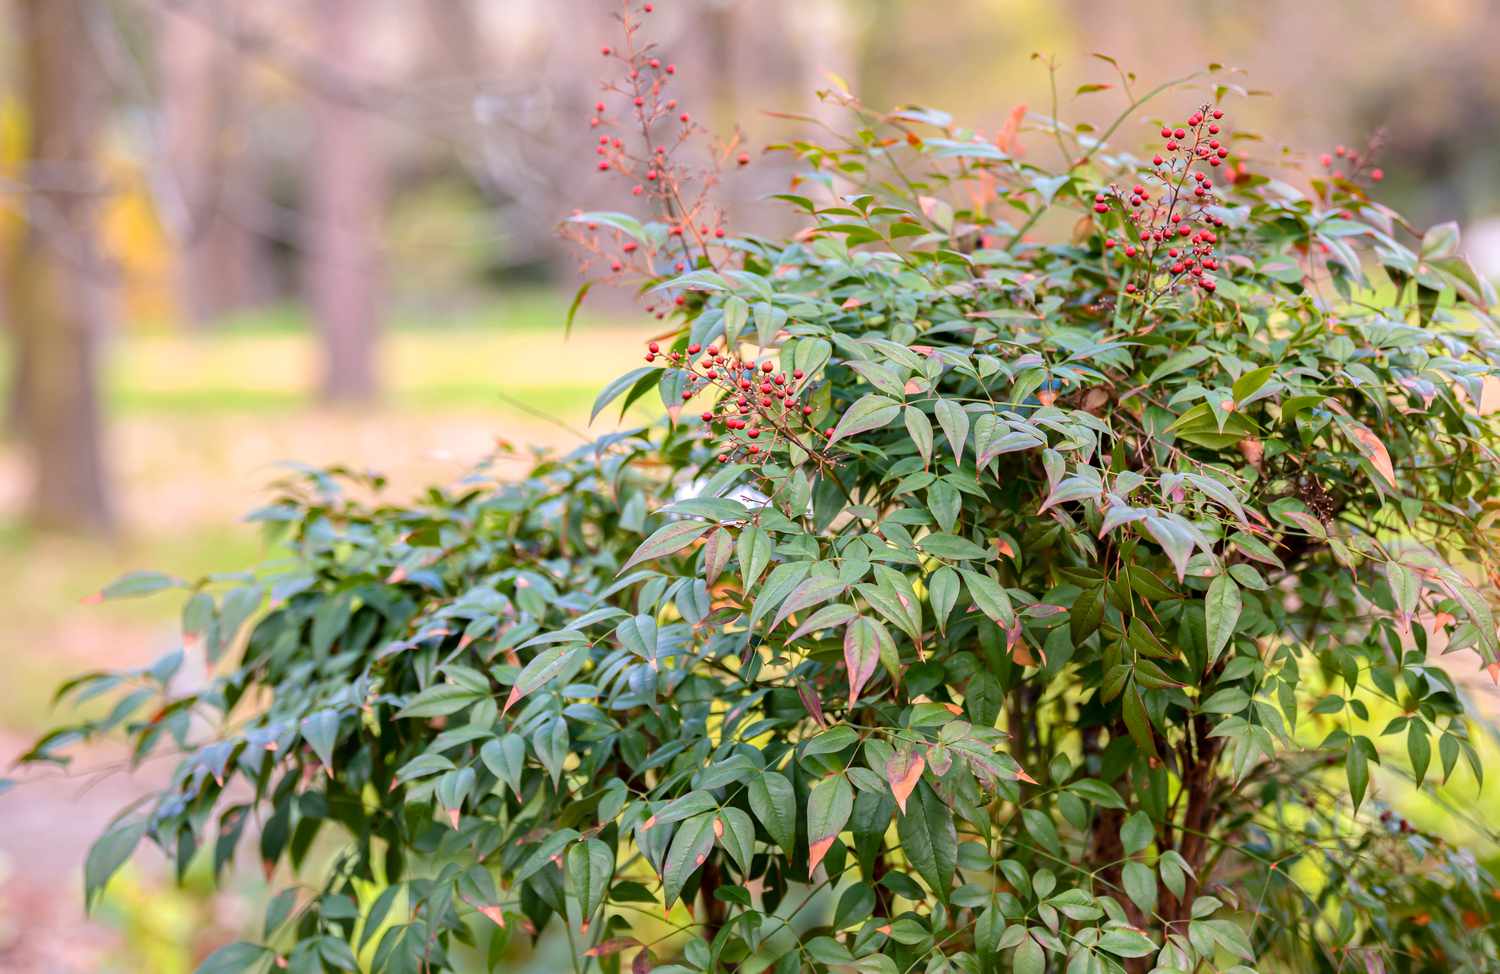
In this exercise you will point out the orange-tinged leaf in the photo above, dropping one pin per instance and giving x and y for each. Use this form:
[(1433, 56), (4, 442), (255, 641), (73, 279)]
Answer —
[(904, 771), (494, 914)]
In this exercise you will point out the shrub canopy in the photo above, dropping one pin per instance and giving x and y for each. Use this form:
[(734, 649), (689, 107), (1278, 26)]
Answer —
[(1016, 581)]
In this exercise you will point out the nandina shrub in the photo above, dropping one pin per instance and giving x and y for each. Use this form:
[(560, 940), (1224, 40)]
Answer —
[(1038, 567)]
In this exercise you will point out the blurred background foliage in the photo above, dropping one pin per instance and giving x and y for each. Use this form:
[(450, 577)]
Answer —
[(234, 234)]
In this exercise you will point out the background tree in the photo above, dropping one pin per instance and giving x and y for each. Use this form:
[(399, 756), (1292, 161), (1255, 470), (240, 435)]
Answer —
[(57, 278), (346, 195)]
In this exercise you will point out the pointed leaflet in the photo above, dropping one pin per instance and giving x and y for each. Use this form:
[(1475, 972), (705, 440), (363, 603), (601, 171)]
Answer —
[(861, 654), (828, 617), (616, 388), (903, 771), (1221, 610), (812, 591), (690, 848), (774, 802), (544, 666), (754, 550), (868, 413), (919, 427), (930, 840), (828, 809), (942, 594), (992, 600), (667, 540), (590, 867), (505, 757), (955, 423), (737, 836)]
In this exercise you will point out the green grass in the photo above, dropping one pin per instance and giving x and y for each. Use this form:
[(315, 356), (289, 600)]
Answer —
[(197, 421)]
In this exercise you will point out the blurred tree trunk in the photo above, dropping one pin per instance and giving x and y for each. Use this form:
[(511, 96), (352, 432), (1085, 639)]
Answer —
[(346, 200), (56, 274), (218, 261)]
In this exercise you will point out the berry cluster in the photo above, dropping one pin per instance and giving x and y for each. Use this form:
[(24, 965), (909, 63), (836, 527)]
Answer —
[(759, 407), (1173, 230), (645, 140), (1347, 164)]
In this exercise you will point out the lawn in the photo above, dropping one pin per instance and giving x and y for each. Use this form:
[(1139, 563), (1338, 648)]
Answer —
[(199, 423)]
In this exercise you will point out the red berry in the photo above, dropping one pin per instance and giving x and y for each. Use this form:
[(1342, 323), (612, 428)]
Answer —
[(1377, 175), (1166, 132), (1157, 160), (1179, 133), (708, 417), (1213, 130), (1130, 289), (685, 118), (655, 63), (606, 50), (1109, 243), (599, 106), (719, 232), (744, 159), (671, 69), (1101, 207), (687, 394), (694, 348), (797, 373), (1326, 159), (648, 8), (807, 410), (1218, 113), (767, 367), (603, 165), (654, 347)]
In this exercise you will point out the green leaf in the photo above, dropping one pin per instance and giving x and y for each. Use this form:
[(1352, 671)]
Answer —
[(992, 600), (505, 757), (1136, 833), (1221, 611), (618, 387), (236, 958), (929, 839), (774, 802), (320, 730), (754, 551), (690, 848), (590, 868), (1357, 769), (108, 853), (829, 805), (1139, 881), (738, 838), (668, 539), (955, 423), (942, 594), (1126, 942), (952, 547), (868, 413), (919, 427), (1419, 749), (544, 667), (1028, 957), (1101, 794), (135, 585), (813, 591)]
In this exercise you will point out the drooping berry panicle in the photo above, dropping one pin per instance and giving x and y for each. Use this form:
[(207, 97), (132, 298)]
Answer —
[(1171, 226), (760, 410)]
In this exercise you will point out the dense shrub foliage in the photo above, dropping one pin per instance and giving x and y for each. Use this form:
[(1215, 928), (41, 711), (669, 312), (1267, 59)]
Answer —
[(1038, 568)]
